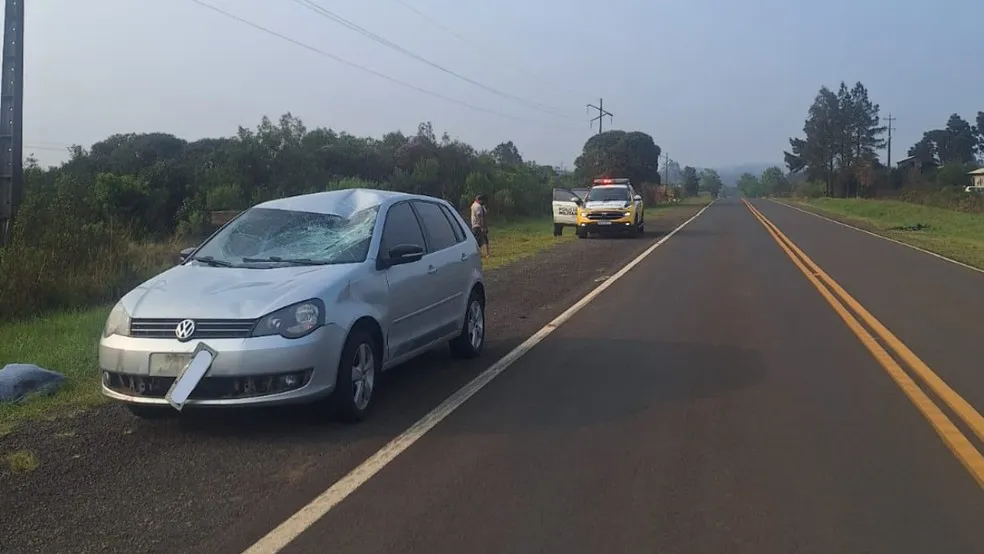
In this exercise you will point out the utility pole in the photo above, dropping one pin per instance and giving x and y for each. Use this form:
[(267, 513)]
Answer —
[(11, 117), (666, 169), (601, 114), (890, 119)]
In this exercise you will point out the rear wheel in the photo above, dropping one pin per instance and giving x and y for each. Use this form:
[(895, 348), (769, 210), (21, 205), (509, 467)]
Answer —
[(558, 229), (471, 341), (358, 372)]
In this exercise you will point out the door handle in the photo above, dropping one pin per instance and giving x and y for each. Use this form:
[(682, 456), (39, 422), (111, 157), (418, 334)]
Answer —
[(464, 256), (431, 270)]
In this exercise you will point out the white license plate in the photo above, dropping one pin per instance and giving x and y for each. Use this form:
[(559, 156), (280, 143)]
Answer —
[(168, 364), (604, 223)]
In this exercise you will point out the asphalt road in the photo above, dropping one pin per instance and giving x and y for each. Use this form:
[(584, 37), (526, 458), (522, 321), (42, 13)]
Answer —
[(710, 400)]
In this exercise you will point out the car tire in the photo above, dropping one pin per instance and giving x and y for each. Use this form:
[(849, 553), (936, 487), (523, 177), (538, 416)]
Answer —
[(558, 229), (152, 412), (582, 233), (357, 377), (471, 341)]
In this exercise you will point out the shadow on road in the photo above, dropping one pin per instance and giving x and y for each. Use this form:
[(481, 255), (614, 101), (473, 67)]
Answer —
[(574, 383)]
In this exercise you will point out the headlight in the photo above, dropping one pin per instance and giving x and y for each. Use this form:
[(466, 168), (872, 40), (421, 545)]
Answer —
[(118, 322), (627, 214), (292, 322)]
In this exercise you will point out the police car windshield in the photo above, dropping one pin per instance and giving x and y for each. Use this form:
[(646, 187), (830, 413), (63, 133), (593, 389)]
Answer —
[(608, 194)]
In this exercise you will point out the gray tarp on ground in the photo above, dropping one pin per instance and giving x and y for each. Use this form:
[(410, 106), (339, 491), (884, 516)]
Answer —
[(20, 380)]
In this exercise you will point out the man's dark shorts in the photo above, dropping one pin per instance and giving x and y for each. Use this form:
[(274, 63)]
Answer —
[(480, 236)]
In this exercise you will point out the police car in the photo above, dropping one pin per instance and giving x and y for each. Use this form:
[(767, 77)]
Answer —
[(609, 206)]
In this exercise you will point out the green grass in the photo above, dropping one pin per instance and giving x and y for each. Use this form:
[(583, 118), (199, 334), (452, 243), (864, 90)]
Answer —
[(956, 235), (518, 238), (64, 342), (22, 461)]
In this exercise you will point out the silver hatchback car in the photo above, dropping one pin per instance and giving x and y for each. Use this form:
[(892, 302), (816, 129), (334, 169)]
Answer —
[(299, 299)]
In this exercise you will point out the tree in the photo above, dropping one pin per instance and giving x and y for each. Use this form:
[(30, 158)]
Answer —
[(691, 182), (710, 182), (980, 133), (506, 153), (957, 143), (842, 135), (774, 182), (620, 154), (749, 185)]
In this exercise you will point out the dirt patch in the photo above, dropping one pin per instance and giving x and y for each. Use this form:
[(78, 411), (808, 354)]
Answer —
[(217, 482)]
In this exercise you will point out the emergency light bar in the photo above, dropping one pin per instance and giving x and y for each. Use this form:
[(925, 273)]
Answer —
[(610, 181)]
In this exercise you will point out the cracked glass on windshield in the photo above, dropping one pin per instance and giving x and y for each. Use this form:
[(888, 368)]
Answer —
[(264, 236)]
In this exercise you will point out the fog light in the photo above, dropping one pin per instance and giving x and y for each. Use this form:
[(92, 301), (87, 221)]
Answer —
[(291, 380)]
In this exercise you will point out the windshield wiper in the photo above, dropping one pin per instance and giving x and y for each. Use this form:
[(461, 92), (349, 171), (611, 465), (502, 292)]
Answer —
[(211, 261), (279, 260)]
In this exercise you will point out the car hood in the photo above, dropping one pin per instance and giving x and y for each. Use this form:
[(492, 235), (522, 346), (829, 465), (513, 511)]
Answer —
[(609, 205), (198, 291)]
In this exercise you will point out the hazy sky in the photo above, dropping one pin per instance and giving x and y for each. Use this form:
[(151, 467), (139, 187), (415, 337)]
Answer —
[(715, 82)]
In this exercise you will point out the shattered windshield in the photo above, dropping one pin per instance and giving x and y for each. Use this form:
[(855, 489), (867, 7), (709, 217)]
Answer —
[(262, 237)]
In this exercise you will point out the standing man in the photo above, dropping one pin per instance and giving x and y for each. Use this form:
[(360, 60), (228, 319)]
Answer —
[(480, 224)]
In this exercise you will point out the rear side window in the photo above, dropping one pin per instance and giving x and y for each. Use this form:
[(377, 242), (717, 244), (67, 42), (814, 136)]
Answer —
[(563, 195), (437, 226), (401, 228), (459, 232)]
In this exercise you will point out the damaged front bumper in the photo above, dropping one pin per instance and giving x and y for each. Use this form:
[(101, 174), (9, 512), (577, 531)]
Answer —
[(260, 371)]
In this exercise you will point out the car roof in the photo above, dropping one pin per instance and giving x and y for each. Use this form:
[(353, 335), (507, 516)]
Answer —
[(341, 202)]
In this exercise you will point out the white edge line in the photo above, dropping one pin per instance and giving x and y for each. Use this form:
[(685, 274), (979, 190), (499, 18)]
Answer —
[(883, 237), (307, 516)]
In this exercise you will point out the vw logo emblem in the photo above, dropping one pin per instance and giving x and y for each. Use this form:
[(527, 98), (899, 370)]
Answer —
[(185, 330)]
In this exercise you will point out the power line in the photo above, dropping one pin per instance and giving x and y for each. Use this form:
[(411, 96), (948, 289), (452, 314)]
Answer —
[(326, 13), (363, 68), (889, 119), (601, 113), (433, 21)]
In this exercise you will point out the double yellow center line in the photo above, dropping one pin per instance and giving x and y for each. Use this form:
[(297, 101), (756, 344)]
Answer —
[(844, 304)]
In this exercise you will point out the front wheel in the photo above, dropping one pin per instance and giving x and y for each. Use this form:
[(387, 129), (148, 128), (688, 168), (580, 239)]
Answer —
[(355, 383), (582, 233), (471, 341)]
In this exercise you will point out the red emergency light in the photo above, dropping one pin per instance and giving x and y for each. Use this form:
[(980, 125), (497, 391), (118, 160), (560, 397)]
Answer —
[(609, 181)]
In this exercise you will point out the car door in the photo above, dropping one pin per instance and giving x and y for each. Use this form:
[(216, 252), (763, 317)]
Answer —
[(564, 206), (411, 298), (640, 204), (444, 267)]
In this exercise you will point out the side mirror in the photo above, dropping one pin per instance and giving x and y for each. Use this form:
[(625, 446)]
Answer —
[(183, 255), (576, 200), (637, 198), (402, 254)]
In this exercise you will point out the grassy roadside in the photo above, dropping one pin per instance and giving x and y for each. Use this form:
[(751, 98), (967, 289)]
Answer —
[(66, 341), (956, 235)]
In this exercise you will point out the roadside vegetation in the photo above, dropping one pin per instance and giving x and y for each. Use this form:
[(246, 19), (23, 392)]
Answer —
[(954, 234)]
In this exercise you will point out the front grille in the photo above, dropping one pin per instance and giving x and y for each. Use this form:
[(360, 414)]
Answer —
[(204, 328), (606, 215)]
